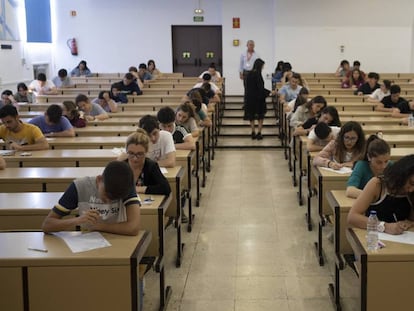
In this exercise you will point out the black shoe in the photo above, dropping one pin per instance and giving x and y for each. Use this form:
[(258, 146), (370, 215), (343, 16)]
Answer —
[(184, 218), (259, 136), (254, 135)]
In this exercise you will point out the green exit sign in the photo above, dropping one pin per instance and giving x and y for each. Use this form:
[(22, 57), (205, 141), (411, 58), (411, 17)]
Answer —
[(198, 18)]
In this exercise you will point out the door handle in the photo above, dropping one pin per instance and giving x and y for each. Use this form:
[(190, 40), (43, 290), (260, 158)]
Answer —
[(195, 62), (199, 62)]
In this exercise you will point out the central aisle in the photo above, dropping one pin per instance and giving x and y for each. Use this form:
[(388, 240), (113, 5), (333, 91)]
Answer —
[(250, 249)]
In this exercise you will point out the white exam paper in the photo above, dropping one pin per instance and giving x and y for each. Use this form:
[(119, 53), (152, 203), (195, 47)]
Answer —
[(407, 237), (82, 242), (342, 170)]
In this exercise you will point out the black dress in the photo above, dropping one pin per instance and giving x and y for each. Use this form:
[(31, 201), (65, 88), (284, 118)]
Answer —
[(255, 105)]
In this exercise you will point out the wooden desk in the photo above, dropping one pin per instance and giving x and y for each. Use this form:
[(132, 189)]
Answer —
[(26, 211), (384, 276), (175, 179), (341, 205), (106, 130), (62, 158), (57, 179), (185, 159), (326, 180), (36, 279)]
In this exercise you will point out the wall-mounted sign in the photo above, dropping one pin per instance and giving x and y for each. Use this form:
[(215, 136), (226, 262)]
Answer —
[(198, 18), (236, 22)]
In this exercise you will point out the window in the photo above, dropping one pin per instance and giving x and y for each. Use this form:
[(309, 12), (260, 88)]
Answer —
[(38, 23)]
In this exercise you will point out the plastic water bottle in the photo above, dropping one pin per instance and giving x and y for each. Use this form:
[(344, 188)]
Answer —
[(411, 120), (372, 231)]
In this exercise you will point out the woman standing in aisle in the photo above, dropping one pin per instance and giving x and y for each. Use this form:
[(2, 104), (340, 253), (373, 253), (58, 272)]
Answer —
[(255, 105)]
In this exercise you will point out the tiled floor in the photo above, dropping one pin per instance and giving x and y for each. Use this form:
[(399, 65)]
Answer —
[(250, 248)]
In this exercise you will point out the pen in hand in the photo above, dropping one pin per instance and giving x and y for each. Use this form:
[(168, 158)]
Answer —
[(395, 217)]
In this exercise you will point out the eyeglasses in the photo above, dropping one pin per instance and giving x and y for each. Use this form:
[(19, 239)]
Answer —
[(137, 155), (348, 138)]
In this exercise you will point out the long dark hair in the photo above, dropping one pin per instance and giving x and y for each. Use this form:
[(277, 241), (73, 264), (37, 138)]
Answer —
[(300, 100), (258, 65), (333, 112), (397, 175), (359, 147)]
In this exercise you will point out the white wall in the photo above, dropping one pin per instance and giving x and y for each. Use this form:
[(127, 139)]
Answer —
[(112, 35), (377, 33)]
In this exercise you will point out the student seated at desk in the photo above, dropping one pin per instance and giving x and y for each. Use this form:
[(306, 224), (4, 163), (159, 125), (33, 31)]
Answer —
[(370, 85), (307, 111), (143, 73), (403, 110), (71, 112), (215, 75), (376, 159), (23, 95), (7, 98), (147, 174), (129, 86), (18, 135), (321, 135), (388, 103), (153, 70), (106, 202), (53, 124), (185, 116), (343, 69), (91, 111), (348, 147), (380, 93), (106, 101), (391, 196), (182, 138), (117, 95), (161, 149), (354, 81), (42, 86), (328, 115), (201, 110), (81, 70), (292, 106), (2, 163), (62, 80)]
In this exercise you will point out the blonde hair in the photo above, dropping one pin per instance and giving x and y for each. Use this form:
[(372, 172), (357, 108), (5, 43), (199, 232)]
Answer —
[(140, 137)]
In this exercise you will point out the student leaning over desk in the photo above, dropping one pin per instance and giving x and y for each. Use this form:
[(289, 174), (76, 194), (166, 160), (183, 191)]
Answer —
[(348, 147), (18, 135), (106, 202), (391, 196), (376, 159)]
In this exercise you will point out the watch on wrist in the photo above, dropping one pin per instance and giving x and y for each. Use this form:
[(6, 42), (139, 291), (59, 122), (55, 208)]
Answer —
[(381, 226)]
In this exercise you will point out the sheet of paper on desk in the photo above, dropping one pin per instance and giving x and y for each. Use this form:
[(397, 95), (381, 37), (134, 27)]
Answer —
[(82, 242), (163, 170), (342, 170), (407, 237)]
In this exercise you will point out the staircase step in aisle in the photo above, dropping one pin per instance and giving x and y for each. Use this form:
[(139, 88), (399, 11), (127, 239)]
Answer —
[(246, 131), (247, 142), (241, 122)]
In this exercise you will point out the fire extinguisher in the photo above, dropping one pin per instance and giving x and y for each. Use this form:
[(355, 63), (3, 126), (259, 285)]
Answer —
[(72, 45)]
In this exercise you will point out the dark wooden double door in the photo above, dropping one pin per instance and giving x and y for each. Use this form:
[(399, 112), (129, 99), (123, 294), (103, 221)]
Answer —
[(195, 48)]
